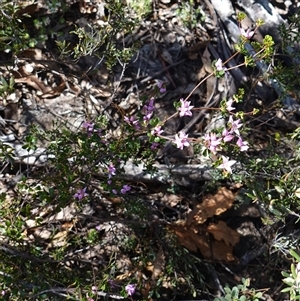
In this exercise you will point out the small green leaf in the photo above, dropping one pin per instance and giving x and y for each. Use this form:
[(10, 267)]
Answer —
[(289, 281), (295, 255), (285, 274), (235, 292), (293, 270)]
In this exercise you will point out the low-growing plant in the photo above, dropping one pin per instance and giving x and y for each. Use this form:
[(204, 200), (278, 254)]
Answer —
[(190, 13), (94, 151), (13, 37), (241, 292), (292, 279)]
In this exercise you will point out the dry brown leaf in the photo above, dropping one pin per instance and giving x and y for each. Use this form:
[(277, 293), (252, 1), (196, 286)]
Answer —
[(194, 50), (158, 264), (166, 198), (55, 91), (211, 205), (68, 225), (221, 251), (34, 82), (23, 76), (146, 290), (65, 214), (36, 233), (221, 231), (59, 240), (124, 276), (194, 241), (33, 54)]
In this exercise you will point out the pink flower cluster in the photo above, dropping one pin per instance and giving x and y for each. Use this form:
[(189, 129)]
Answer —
[(112, 172), (185, 109), (130, 289), (133, 122), (89, 127), (181, 139), (248, 34), (157, 131), (148, 109), (147, 112), (219, 66), (80, 194), (212, 141)]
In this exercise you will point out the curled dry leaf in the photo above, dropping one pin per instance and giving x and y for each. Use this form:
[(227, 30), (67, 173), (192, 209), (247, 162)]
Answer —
[(24, 76), (211, 205), (221, 252), (189, 239), (194, 241), (221, 231)]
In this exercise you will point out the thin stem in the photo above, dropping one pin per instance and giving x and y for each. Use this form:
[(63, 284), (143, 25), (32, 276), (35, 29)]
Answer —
[(201, 82)]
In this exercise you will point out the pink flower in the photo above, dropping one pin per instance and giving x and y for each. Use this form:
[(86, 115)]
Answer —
[(157, 131), (89, 127), (247, 34), (219, 65), (94, 289), (111, 283), (130, 289), (154, 146), (148, 109), (227, 137), (98, 228), (185, 109), (226, 165), (181, 139), (111, 170), (229, 106), (212, 142), (80, 194), (243, 145), (234, 125), (125, 189), (133, 121), (150, 105), (160, 85)]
